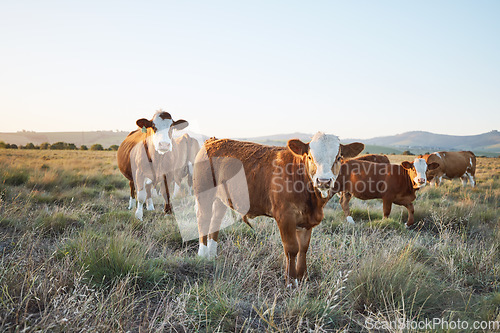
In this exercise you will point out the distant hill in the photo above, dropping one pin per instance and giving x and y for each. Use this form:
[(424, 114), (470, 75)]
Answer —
[(482, 142), (417, 141), (106, 138)]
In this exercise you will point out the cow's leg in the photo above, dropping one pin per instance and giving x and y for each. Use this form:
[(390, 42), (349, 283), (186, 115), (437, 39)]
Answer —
[(345, 197), (204, 202), (303, 238), (190, 178), (386, 206), (141, 196), (218, 212), (411, 210), (149, 199), (165, 186), (464, 179), (291, 248), (472, 179), (131, 202)]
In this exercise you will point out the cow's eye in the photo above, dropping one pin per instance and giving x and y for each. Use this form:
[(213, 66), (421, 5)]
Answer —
[(339, 158)]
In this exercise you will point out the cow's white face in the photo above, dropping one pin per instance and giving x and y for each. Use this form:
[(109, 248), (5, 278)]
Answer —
[(162, 134), (324, 151), (162, 126), (420, 166), (417, 171), (323, 157)]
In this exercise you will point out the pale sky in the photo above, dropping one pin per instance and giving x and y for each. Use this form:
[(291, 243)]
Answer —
[(357, 69)]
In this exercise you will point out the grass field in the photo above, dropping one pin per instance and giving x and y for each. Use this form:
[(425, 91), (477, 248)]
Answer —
[(73, 258)]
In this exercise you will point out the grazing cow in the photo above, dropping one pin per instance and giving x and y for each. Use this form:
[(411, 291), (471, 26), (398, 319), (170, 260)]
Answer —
[(452, 164), (144, 157), (393, 183), (291, 184)]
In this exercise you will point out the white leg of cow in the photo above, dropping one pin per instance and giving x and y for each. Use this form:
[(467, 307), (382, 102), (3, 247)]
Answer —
[(149, 204), (176, 190), (212, 249), (203, 251), (131, 203), (464, 180), (472, 180), (350, 220), (141, 198)]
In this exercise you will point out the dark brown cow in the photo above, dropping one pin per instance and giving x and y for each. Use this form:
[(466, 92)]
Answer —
[(393, 183), (291, 184), (143, 158), (452, 164)]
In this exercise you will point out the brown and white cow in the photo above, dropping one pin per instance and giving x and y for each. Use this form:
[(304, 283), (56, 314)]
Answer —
[(144, 158), (291, 184), (184, 154), (452, 164), (393, 183), (178, 165)]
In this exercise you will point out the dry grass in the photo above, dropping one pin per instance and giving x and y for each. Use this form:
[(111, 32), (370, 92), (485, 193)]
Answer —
[(72, 258)]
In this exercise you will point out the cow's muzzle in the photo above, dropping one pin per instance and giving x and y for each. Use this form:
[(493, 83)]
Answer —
[(163, 147), (324, 183)]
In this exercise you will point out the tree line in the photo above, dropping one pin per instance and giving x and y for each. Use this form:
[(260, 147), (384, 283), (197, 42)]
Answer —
[(56, 146)]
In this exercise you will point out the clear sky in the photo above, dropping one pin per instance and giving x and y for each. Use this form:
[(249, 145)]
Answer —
[(357, 69)]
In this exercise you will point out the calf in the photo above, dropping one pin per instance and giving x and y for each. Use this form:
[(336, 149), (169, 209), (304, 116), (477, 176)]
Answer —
[(291, 184), (393, 183), (144, 157), (370, 158), (452, 164)]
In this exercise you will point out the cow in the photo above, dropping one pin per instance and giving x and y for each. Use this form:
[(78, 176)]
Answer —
[(370, 158), (179, 165), (393, 183), (144, 158), (292, 184), (459, 164), (184, 152)]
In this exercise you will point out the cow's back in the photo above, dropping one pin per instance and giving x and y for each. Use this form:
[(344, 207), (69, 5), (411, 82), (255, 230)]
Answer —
[(124, 151), (220, 161), (373, 158)]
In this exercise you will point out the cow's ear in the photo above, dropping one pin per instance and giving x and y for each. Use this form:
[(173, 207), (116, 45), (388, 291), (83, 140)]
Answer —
[(180, 124), (143, 122), (298, 147), (407, 165), (351, 150), (432, 166)]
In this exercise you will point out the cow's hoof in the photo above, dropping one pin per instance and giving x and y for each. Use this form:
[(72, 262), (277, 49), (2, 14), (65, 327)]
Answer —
[(203, 251), (293, 284), (138, 214), (350, 220), (168, 209)]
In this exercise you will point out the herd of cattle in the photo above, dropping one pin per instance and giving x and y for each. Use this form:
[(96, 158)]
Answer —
[(291, 184)]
